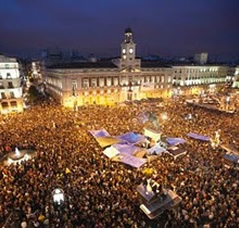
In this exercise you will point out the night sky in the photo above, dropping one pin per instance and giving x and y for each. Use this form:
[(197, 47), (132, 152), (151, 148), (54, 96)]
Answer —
[(162, 27)]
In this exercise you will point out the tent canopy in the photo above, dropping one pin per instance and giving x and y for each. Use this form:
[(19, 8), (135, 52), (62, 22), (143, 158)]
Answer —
[(156, 149), (174, 141), (99, 133), (131, 137), (133, 161), (199, 137), (232, 158), (107, 141), (126, 148)]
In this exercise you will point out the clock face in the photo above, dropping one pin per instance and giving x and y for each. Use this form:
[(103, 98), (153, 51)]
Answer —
[(123, 51), (131, 50)]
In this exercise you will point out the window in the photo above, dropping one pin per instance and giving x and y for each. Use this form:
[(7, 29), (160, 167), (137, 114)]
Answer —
[(74, 84), (156, 79), (102, 82), (3, 95), (116, 81), (12, 95), (93, 82), (169, 79), (162, 79), (7, 66), (109, 81), (85, 83), (8, 75), (10, 85), (1, 85), (74, 87), (123, 80), (0, 76)]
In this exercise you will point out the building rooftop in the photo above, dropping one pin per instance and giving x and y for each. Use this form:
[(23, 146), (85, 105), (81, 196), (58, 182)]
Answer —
[(4, 58), (153, 64), (100, 64)]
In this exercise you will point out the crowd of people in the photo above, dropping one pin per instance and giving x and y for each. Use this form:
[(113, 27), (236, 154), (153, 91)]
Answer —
[(102, 193)]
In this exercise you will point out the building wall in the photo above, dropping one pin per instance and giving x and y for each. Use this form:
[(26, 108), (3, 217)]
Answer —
[(10, 86), (106, 87), (110, 86), (236, 76)]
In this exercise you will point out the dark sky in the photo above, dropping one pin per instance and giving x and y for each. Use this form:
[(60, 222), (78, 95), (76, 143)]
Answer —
[(164, 27)]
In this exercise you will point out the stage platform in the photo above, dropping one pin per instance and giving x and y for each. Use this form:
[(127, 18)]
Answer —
[(176, 151)]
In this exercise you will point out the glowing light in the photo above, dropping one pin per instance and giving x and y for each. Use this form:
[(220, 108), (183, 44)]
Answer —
[(17, 152)]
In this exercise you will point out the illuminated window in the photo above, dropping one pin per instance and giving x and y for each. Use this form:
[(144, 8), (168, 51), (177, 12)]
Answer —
[(3, 96), (10, 85), (74, 84), (102, 82), (93, 82), (85, 83), (109, 82), (12, 95), (116, 81)]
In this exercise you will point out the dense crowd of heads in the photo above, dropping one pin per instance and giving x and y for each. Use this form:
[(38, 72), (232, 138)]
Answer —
[(102, 193)]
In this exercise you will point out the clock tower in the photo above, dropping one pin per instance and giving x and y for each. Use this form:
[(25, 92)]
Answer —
[(128, 61), (128, 48)]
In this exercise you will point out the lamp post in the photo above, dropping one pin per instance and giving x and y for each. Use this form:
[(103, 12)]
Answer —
[(58, 197), (59, 200)]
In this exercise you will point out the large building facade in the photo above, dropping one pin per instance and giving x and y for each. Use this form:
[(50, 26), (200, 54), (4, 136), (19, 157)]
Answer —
[(124, 79), (10, 86)]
